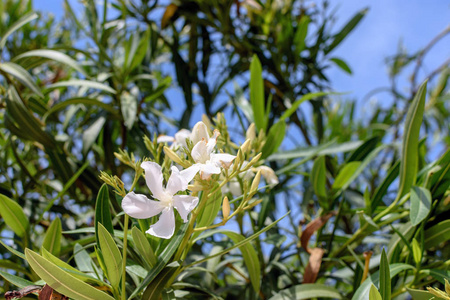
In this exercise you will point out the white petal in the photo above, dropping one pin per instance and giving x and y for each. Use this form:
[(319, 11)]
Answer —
[(176, 182), (165, 226), (212, 142), (235, 188), (222, 159), (190, 172), (269, 175), (184, 205), (154, 178), (181, 136), (165, 139), (140, 207), (206, 170), (199, 132), (200, 152)]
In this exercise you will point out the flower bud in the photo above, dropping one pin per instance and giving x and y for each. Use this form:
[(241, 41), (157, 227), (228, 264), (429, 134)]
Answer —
[(199, 132), (253, 204), (196, 187), (173, 156), (251, 132), (246, 146), (225, 208), (253, 161), (255, 183), (206, 121)]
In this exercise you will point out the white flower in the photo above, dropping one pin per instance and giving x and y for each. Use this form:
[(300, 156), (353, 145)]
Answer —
[(207, 162), (178, 140), (269, 174), (140, 207)]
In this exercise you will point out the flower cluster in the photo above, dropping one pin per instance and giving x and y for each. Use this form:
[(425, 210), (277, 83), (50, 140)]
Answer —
[(206, 163)]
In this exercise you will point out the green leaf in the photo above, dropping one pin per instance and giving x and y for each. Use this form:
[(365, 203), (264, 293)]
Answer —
[(338, 38), (211, 209), (12, 250), (257, 98), (22, 75), (274, 138), (52, 239), (300, 34), (84, 262), (16, 280), (163, 260), (102, 211), (437, 234), (76, 101), (82, 83), (52, 55), (364, 289), (297, 103), (383, 187), (237, 245), (90, 135), (128, 105), (250, 258), (13, 216), (422, 295), (406, 230), (374, 294), (417, 251), (62, 281), (341, 64), (156, 287), (143, 247), (24, 120), (345, 174), (19, 23), (111, 256), (409, 157), (69, 269), (385, 278), (139, 54), (420, 204), (307, 291), (318, 177), (324, 149)]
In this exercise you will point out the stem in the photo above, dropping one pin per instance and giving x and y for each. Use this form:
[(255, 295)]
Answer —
[(124, 256), (125, 242)]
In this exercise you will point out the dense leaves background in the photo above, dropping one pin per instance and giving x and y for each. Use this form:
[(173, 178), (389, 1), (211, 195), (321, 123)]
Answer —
[(75, 91)]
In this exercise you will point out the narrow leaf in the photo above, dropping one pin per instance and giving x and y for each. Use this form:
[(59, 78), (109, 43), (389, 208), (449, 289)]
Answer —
[(307, 291), (90, 135), (274, 138), (102, 211), (297, 103), (437, 234), (374, 294), (52, 239), (250, 258), (345, 174), (385, 278), (82, 83), (13, 216), (409, 157), (420, 204), (16, 280), (346, 30), (129, 109), (22, 75), (257, 99), (341, 64), (318, 177), (14, 27), (111, 256), (61, 281), (143, 247), (52, 55)]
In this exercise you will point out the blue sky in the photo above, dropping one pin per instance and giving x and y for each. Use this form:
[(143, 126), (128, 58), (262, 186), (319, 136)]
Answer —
[(414, 22)]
